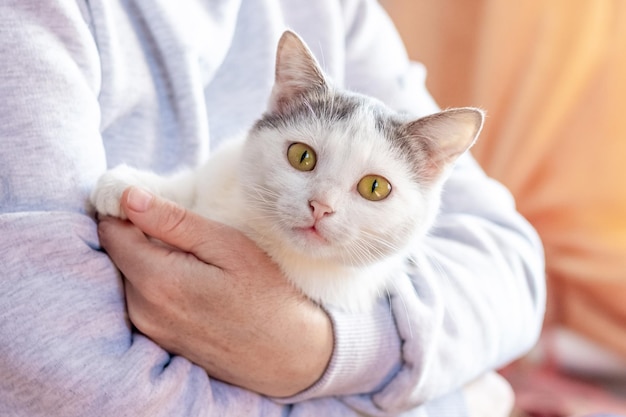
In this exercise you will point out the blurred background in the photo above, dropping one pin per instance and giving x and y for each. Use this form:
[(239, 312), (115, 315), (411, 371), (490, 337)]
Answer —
[(551, 75)]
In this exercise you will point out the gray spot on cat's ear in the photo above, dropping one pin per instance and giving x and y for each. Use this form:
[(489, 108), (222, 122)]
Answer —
[(443, 137), (297, 72)]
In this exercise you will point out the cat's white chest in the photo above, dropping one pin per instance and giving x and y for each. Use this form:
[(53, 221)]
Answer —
[(354, 289)]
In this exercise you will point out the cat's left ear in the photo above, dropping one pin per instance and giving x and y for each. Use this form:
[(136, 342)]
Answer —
[(445, 136), (297, 72)]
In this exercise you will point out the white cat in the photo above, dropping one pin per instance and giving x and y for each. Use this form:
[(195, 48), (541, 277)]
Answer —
[(333, 185)]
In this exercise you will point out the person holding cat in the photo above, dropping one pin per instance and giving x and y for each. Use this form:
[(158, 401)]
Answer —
[(87, 86)]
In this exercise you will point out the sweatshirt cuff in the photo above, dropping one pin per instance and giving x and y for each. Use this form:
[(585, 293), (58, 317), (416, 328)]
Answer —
[(366, 354)]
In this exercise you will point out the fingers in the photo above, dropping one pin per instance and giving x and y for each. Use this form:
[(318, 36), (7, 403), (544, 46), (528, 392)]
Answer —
[(129, 248), (131, 251), (153, 271), (176, 226)]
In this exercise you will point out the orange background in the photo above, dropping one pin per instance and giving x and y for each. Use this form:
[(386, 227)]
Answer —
[(552, 77)]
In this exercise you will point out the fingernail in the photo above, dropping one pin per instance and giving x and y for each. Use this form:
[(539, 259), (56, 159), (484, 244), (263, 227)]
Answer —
[(138, 199)]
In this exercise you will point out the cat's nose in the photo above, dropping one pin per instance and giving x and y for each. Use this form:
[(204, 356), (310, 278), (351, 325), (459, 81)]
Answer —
[(320, 209)]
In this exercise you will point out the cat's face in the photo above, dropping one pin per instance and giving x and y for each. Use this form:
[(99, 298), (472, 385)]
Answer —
[(328, 182), (339, 177)]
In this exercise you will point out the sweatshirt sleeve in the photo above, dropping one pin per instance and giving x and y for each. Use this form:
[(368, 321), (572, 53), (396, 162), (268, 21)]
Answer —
[(66, 345), (474, 296)]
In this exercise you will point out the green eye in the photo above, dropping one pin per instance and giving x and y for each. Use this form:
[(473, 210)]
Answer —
[(302, 157), (374, 187)]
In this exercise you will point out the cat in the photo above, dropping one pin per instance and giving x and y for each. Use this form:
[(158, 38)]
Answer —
[(333, 185)]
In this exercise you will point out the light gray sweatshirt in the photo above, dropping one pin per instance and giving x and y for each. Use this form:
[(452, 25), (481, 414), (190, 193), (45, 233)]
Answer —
[(89, 84)]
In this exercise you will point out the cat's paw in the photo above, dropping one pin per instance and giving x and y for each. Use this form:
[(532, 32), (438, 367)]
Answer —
[(107, 194)]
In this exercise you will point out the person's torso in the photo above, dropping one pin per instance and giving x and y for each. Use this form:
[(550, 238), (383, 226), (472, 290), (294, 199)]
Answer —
[(178, 79)]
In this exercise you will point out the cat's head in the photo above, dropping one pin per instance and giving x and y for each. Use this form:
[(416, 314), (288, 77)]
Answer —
[(338, 176)]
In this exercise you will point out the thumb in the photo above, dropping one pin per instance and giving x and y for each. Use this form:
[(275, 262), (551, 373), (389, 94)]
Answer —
[(173, 224)]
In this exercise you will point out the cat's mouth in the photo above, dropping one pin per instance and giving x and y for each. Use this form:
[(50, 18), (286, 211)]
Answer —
[(312, 234)]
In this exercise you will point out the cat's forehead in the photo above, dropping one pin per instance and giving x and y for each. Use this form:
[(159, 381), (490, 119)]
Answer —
[(319, 106), (328, 113)]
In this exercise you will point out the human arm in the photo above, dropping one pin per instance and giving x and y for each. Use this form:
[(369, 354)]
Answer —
[(66, 346)]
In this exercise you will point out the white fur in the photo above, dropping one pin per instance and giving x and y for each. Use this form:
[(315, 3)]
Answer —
[(249, 184)]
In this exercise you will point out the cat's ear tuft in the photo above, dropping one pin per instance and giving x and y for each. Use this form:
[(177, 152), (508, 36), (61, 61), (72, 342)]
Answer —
[(297, 72), (445, 136)]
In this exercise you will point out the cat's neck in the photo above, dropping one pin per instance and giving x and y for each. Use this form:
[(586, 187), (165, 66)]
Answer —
[(350, 288)]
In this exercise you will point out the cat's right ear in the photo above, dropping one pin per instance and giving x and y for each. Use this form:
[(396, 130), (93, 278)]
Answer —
[(297, 72), (444, 136)]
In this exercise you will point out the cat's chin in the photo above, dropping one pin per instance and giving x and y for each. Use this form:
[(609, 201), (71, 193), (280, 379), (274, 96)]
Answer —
[(318, 247), (311, 243)]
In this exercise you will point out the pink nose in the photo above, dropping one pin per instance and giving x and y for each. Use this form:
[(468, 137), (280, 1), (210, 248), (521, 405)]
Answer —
[(320, 209)]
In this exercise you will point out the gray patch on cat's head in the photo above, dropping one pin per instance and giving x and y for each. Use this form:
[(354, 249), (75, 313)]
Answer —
[(332, 107), (323, 104), (393, 127), (414, 150)]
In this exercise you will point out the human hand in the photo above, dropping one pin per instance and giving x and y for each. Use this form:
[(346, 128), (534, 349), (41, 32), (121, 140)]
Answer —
[(215, 298)]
